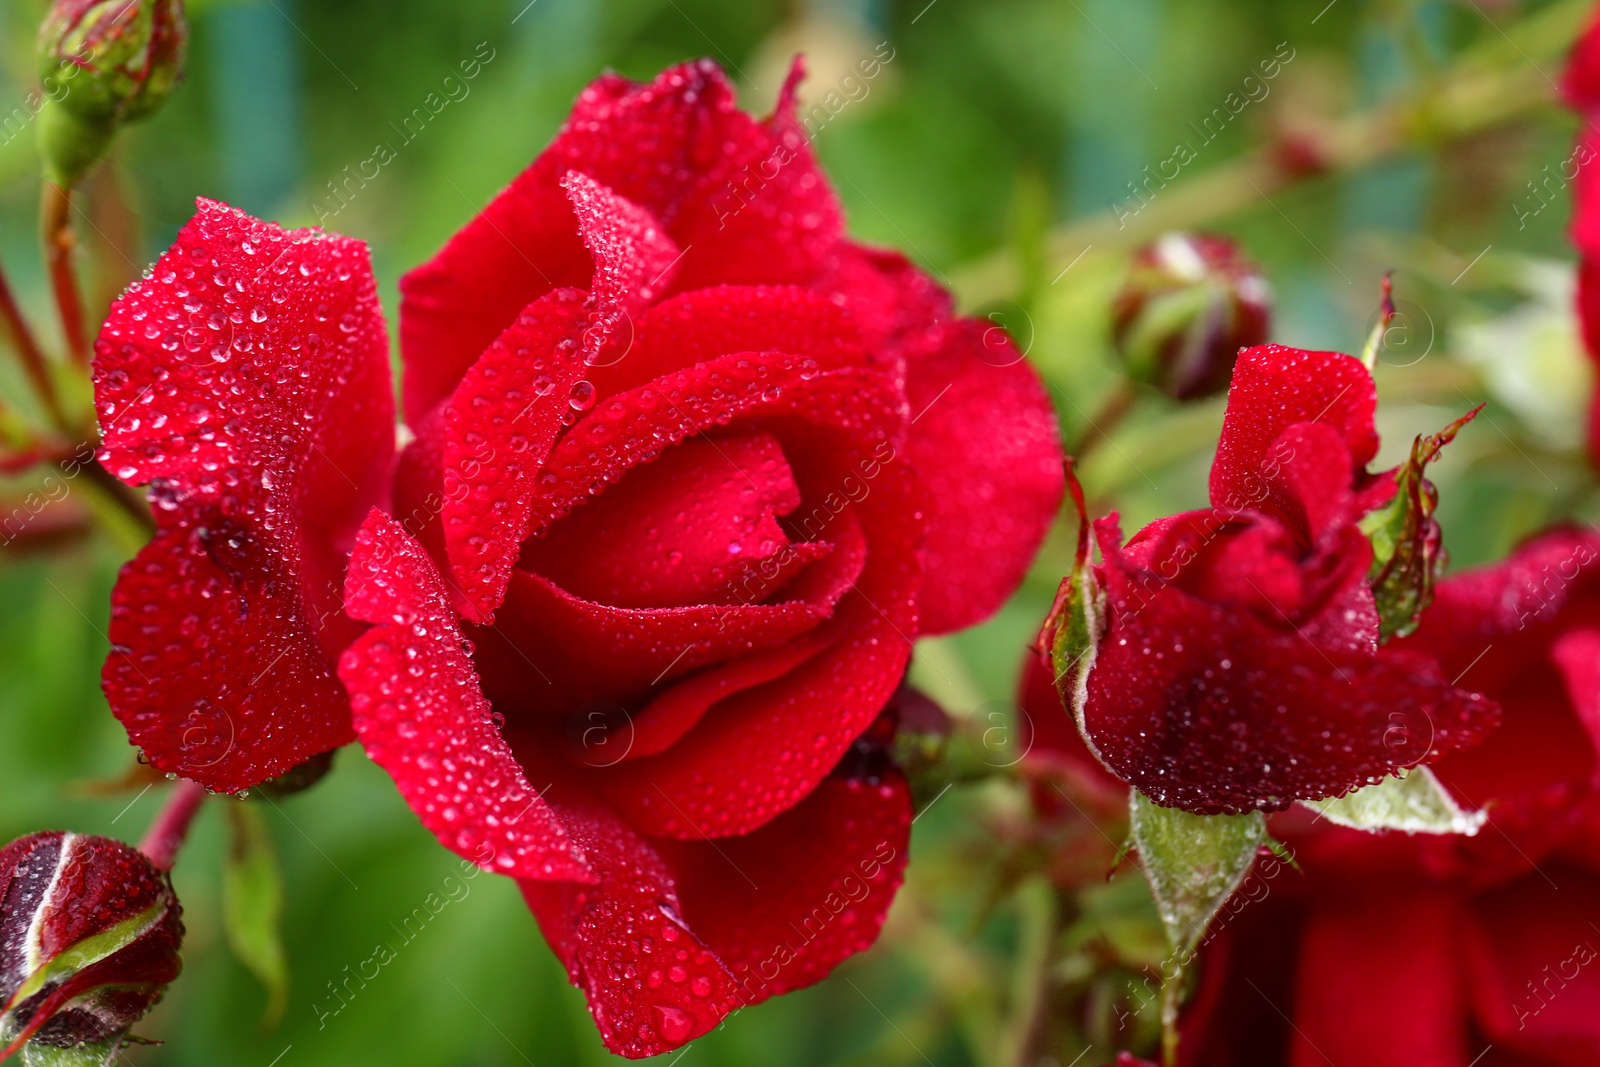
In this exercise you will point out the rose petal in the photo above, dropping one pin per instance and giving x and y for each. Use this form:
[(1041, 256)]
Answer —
[(495, 432), (550, 652), (1206, 707), (650, 982), (633, 258), (422, 718), (1274, 388), (1415, 934), (758, 753), (679, 531), (247, 377), (703, 324), (985, 442), (744, 200), (668, 717), (786, 904), (1536, 983)]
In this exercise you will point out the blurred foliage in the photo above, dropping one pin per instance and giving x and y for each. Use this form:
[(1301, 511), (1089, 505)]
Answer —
[(995, 121)]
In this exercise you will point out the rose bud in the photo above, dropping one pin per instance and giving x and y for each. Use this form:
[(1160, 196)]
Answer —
[(89, 936), (103, 63), (1190, 303)]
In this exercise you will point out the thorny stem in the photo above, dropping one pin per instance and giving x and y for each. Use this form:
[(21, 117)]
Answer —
[(55, 223), (167, 833), (32, 356)]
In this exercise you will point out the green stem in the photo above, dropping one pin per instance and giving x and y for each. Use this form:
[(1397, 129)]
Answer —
[(1104, 421), (1488, 87), (1170, 999), (55, 222), (34, 364)]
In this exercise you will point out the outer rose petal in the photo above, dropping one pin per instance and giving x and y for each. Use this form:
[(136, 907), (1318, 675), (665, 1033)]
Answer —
[(745, 200), (1580, 82), (1516, 630), (422, 718), (985, 442), (633, 258), (785, 905), (650, 982), (247, 378), (1537, 979), (1585, 225), (1409, 1011), (1181, 689), (704, 324), (493, 435), (1274, 388)]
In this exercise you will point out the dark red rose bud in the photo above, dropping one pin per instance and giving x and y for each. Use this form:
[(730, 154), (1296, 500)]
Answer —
[(1190, 303), (89, 936), (104, 63)]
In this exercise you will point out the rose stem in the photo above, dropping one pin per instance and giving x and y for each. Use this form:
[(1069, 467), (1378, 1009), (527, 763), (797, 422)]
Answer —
[(55, 221), (1479, 91), (1105, 420), (1169, 1022), (32, 356), (167, 833)]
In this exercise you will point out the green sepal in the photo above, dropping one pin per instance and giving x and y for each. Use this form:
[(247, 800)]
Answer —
[(91, 950), (1414, 801), (96, 1054), (1194, 863), (1407, 546), (1077, 621)]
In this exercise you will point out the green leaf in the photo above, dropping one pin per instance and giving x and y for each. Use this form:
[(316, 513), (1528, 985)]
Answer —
[(252, 906), (1194, 863), (1407, 547), (1414, 801)]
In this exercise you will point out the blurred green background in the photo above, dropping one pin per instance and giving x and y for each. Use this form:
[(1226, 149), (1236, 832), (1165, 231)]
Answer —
[(995, 125)]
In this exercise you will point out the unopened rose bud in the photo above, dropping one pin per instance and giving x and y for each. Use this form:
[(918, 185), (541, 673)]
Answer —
[(103, 63), (89, 936), (1190, 303)]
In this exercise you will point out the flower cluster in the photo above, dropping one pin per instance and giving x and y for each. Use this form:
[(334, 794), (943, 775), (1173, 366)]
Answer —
[(679, 490)]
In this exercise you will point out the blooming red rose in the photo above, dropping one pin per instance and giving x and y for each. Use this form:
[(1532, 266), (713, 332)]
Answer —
[(690, 472), (1236, 665), (1447, 950)]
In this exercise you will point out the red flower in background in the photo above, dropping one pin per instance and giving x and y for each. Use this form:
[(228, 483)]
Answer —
[(1580, 84), (1237, 662), (1430, 950), (690, 472)]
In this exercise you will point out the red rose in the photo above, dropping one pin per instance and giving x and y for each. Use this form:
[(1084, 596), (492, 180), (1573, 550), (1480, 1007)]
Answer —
[(1237, 664), (1428, 950), (1580, 85), (690, 472)]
